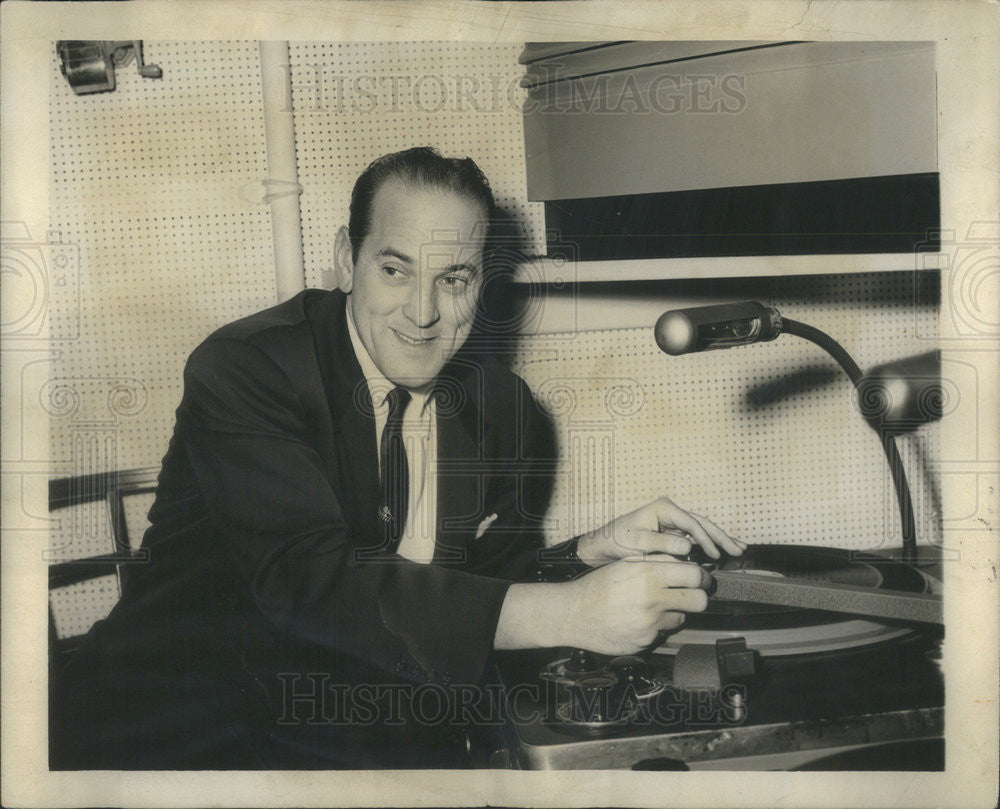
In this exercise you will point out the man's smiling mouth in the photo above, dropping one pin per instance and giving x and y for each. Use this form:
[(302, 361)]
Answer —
[(413, 341)]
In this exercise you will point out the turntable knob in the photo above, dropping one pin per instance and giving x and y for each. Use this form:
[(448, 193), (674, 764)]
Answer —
[(581, 662), (634, 671), (596, 698)]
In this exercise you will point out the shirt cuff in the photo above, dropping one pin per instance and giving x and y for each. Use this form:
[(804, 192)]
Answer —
[(560, 562)]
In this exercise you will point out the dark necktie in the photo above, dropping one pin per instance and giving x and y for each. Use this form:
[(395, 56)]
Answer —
[(394, 489)]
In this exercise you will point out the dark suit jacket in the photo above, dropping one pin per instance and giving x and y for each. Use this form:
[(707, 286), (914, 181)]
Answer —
[(267, 590)]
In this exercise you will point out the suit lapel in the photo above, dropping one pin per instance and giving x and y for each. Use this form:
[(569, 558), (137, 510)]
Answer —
[(357, 462), (352, 416), (461, 473)]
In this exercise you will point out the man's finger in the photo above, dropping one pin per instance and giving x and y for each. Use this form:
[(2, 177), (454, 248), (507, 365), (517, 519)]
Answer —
[(640, 540), (670, 620), (685, 600), (671, 573), (667, 571), (674, 516), (732, 545), (679, 518)]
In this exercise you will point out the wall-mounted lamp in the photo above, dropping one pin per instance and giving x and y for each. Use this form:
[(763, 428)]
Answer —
[(895, 398), (89, 65)]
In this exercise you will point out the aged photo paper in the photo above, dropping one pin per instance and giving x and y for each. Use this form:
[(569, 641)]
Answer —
[(150, 209)]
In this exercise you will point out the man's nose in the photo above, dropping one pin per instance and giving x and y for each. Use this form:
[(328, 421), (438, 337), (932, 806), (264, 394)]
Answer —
[(422, 306)]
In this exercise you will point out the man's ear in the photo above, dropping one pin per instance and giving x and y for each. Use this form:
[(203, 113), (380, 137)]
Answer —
[(343, 261)]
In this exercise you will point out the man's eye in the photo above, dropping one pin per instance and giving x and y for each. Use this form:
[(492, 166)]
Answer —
[(392, 272), (455, 282)]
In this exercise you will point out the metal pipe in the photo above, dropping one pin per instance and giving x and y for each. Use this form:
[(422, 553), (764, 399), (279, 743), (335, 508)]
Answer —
[(282, 182)]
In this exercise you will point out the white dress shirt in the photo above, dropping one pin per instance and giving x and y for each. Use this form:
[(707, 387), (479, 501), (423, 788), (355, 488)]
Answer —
[(419, 437)]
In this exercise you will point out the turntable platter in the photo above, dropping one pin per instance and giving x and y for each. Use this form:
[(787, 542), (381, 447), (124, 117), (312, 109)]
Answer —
[(775, 630)]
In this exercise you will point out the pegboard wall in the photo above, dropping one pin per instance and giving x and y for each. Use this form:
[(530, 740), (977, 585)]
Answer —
[(77, 606), (355, 101), (148, 196), (148, 184), (766, 440)]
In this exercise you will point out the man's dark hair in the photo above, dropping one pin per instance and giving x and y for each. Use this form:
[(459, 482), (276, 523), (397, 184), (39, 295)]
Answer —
[(420, 166)]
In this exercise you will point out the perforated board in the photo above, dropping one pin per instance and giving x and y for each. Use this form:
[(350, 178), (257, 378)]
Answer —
[(149, 196), (356, 101), (77, 606), (720, 433), (149, 183)]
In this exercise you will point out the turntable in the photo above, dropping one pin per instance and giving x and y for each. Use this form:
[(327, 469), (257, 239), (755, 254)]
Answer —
[(750, 685)]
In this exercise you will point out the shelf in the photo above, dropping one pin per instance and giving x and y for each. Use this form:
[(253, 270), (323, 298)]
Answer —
[(558, 271)]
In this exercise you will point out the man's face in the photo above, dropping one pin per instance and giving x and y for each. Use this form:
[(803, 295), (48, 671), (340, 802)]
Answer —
[(414, 286)]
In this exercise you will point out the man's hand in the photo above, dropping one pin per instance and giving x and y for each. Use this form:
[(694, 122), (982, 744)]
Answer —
[(619, 609), (660, 527), (639, 590), (623, 607)]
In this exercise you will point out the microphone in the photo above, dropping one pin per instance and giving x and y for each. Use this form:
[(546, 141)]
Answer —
[(897, 397), (703, 328)]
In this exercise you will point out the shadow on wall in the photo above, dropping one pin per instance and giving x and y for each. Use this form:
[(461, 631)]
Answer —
[(501, 313), (803, 380)]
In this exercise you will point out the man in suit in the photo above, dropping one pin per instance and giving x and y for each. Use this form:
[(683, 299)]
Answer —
[(349, 512)]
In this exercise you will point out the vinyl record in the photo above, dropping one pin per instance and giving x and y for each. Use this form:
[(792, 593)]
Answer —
[(777, 630)]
